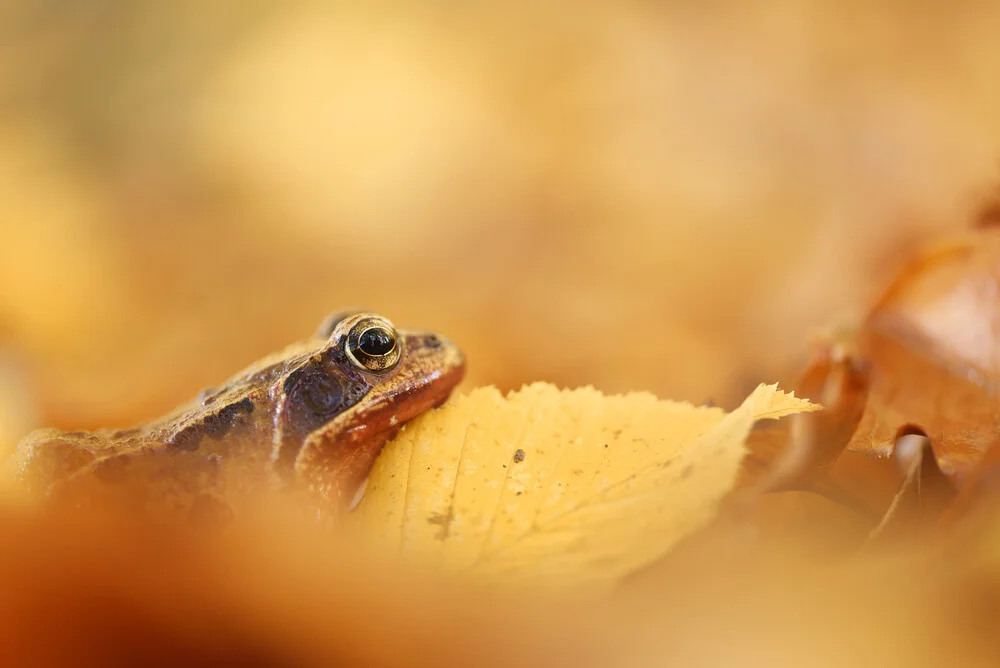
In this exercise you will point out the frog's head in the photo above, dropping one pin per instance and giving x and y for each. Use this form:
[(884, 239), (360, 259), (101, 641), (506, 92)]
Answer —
[(339, 406)]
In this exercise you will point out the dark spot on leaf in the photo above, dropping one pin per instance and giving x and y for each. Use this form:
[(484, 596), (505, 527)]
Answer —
[(443, 520), (519, 456)]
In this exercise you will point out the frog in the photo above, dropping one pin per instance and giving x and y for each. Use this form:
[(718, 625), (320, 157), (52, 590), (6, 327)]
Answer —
[(312, 417)]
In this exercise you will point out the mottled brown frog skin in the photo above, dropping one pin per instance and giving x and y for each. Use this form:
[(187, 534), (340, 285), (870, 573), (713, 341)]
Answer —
[(313, 417)]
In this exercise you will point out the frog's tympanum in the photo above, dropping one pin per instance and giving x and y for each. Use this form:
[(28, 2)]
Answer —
[(312, 417)]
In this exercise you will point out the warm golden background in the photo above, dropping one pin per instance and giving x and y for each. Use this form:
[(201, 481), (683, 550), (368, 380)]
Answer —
[(635, 195), (667, 196)]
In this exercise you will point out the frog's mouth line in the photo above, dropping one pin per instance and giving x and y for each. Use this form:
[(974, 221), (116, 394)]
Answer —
[(339, 472), (386, 418), (447, 383)]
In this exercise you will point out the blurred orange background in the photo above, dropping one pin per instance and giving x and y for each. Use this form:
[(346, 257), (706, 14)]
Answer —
[(661, 196)]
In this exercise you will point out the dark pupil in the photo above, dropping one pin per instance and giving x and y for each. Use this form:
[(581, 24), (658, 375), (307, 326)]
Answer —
[(376, 342)]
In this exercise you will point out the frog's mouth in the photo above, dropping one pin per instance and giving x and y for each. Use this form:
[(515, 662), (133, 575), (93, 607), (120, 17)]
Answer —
[(337, 460)]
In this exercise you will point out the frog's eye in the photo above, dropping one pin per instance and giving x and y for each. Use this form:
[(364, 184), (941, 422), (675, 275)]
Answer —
[(373, 345)]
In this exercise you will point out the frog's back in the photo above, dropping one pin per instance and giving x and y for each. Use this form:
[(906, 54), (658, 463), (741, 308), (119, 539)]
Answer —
[(240, 404), (46, 455)]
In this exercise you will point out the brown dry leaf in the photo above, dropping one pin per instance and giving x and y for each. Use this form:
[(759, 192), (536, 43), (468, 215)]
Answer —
[(561, 487), (931, 341), (927, 364)]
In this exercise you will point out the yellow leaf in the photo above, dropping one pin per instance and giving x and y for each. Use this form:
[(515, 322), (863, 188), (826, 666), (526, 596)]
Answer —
[(558, 487)]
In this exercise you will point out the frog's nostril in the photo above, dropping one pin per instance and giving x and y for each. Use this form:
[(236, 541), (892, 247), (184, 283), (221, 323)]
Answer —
[(432, 341)]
